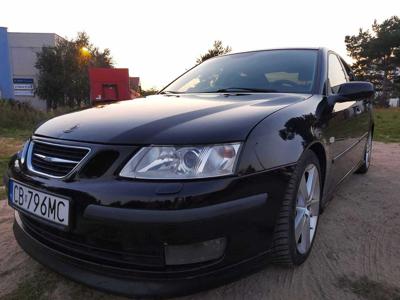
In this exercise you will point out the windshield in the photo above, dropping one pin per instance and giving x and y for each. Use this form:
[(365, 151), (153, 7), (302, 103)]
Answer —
[(282, 71)]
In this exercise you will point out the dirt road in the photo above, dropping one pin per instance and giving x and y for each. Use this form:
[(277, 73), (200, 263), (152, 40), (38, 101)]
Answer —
[(356, 253)]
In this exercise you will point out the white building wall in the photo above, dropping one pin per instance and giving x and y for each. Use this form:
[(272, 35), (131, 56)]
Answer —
[(394, 102), (23, 48)]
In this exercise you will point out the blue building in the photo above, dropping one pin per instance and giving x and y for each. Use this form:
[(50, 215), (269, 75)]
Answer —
[(6, 87), (18, 75)]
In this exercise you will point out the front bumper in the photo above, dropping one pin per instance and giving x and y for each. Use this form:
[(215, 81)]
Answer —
[(127, 282), (119, 230)]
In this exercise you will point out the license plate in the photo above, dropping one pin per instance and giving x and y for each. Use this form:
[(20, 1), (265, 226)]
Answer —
[(43, 205)]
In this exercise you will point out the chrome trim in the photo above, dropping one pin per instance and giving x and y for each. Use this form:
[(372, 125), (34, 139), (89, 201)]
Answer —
[(24, 151), (32, 169), (56, 159)]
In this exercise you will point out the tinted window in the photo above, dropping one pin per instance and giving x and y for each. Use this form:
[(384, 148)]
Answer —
[(290, 71), (336, 75), (348, 70)]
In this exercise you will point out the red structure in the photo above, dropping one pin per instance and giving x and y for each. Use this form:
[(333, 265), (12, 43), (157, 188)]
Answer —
[(109, 84)]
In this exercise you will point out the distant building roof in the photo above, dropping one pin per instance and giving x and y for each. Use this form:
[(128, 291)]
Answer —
[(33, 39)]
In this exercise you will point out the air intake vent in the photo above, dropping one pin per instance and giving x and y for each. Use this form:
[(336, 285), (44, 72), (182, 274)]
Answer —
[(54, 160)]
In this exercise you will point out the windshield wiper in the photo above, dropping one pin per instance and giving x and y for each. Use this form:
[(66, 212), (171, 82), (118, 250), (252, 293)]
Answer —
[(240, 89), (170, 92)]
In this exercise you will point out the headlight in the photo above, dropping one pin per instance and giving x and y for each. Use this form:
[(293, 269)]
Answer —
[(182, 162)]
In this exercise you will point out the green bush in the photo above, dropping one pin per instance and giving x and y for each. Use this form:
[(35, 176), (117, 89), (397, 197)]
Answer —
[(18, 119)]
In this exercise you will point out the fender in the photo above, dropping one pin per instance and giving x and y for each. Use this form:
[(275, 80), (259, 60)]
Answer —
[(280, 139)]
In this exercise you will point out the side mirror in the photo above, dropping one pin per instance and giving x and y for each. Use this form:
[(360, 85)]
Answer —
[(353, 91)]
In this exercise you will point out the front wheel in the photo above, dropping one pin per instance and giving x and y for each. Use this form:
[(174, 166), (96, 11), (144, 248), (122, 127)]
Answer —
[(298, 218)]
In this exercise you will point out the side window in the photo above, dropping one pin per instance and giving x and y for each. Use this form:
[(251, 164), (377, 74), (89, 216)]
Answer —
[(348, 70), (336, 75)]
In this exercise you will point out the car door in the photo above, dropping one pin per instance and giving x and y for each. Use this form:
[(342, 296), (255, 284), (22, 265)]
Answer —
[(361, 123), (341, 132)]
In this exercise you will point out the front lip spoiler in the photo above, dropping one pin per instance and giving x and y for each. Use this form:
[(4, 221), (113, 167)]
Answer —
[(127, 215), (104, 278)]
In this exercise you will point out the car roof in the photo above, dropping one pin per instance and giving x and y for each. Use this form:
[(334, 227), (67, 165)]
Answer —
[(274, 49)]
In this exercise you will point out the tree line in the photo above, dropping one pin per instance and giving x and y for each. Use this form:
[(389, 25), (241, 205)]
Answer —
[(376, 55), (63, 71)]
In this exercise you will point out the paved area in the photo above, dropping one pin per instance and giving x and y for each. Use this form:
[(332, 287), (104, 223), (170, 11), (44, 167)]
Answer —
[(356, 254)]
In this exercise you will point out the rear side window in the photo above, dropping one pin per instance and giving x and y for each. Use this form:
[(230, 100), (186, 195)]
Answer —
[(336, 74)]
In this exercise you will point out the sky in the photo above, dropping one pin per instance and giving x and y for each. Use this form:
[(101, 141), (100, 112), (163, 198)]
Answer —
[(159, 40)]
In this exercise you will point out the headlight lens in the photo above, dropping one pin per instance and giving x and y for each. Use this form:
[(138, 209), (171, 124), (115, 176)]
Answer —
[(182, 162)]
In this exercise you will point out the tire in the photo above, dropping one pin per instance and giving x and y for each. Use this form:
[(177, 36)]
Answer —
[(367, 156), (291, 246)]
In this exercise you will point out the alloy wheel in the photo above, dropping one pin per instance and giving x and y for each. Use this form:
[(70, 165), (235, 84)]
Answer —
[(307, 208)]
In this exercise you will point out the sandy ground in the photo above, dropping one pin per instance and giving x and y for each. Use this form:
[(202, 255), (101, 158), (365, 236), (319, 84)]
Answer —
[(356, 254)]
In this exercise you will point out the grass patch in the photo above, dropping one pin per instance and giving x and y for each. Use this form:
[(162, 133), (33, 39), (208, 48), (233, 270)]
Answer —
[(387, 125), (9, 146), (34, 287), (19, 119), (21, 134), (3, 168), (3, 194), (369, 289)]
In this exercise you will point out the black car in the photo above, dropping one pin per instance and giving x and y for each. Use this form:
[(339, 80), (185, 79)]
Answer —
[(226, 169)]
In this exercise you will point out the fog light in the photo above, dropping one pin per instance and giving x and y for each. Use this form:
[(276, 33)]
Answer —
[(194, 253)]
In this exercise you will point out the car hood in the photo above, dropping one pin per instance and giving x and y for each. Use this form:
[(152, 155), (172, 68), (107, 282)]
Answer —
[(169, 119)]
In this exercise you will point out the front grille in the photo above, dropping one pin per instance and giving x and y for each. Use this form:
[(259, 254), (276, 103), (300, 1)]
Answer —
[(54, 160)]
